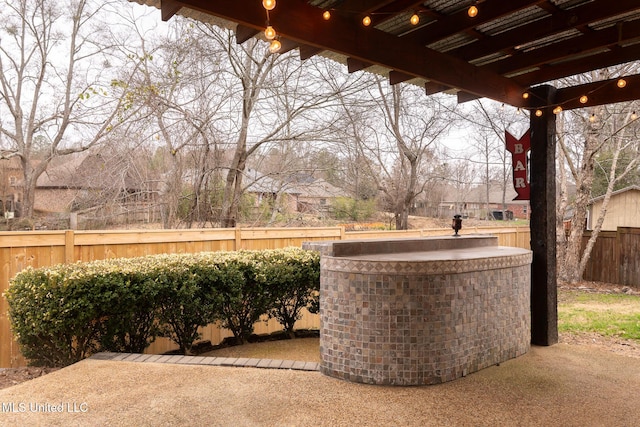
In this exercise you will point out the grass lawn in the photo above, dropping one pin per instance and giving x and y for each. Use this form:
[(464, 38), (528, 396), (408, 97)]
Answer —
[(610, 315)]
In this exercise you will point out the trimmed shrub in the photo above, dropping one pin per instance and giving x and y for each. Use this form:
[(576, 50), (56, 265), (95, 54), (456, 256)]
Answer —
[(191, 297), (129, 317), (245, 298), (64, 313), (292, 277), (40, 318)]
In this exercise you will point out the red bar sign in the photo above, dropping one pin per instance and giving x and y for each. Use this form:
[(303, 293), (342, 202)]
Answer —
[(519, 148)]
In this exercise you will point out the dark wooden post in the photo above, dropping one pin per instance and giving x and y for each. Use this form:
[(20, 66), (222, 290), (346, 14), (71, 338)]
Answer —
[(544, 296)]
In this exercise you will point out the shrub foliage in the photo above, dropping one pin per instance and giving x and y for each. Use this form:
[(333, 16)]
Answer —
[(64, 313), (297, 277)]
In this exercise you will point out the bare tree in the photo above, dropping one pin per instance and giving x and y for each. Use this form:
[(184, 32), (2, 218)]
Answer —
[(488, 122), (274, 99), (354, 122), (413, 123), (462, 175), (185, 95), (609, 128), (56, 83)]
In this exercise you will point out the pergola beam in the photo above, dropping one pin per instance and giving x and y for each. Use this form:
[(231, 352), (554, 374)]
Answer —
[(431, 88), (599, 93), (592, 42), (556, 23), (579, 66), (396, 77), (302, 23), (169, 8), (460, 21), (354, 65), (245, 33), (307, 51)]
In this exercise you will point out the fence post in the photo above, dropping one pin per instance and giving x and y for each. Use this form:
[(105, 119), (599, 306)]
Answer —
[(69, 246), (617, 251), (238, 244)]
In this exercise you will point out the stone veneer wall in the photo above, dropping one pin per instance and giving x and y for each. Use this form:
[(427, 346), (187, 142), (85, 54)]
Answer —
[(422, 322)]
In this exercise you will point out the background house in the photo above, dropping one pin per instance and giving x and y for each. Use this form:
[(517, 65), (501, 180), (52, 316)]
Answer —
[(623, 209), (272, 190), (58, 187), (98, 187), (473, 203), (299, 193), (317, 197)]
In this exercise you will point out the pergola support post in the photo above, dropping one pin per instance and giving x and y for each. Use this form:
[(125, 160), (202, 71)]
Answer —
[(544, 296)]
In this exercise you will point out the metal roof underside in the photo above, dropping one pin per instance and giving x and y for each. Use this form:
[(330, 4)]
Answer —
[(509, 47)]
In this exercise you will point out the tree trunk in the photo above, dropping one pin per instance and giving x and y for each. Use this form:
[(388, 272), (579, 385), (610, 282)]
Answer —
[(233, 186), (561, 235), (30, 177), (570, 269)]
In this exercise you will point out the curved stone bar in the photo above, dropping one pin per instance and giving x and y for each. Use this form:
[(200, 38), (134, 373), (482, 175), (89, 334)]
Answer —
[(421, 311)]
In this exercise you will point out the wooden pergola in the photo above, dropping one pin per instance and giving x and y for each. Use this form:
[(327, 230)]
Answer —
[(506, 50)]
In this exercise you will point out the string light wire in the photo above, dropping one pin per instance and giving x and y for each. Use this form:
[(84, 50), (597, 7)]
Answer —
[(472, 11)]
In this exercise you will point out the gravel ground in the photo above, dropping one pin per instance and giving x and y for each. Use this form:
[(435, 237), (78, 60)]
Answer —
[(562, 385), (586, 380)]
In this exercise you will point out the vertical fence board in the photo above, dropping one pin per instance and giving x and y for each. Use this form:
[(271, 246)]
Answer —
[(602, 265), (615, 257), (629, 250), (6, 339)]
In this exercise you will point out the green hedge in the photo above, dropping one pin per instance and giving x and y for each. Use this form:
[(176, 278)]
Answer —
[(67, 312)]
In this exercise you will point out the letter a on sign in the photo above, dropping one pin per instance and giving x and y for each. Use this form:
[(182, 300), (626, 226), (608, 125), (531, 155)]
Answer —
[(519, 149)]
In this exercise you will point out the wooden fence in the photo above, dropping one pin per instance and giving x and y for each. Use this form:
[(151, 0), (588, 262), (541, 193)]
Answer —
[(19, 250), (615, 257)]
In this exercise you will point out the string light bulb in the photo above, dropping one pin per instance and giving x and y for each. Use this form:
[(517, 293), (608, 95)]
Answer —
[(634, 116), (326, 15), (621, 83), (270, 33), (275, 46), (557, 110), (538, 113), (269, 4), (472, 11), (525, 95), (366, 21), (584, 99), (592, 117), (415, 19), (518, 110)]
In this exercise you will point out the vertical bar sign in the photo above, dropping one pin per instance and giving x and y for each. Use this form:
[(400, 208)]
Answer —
[(519, 149)]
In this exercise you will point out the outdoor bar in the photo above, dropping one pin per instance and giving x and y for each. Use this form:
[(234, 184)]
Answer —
[(421, 311)]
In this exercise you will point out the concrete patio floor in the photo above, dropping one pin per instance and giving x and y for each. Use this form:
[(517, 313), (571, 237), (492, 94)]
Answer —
[(562, 385)]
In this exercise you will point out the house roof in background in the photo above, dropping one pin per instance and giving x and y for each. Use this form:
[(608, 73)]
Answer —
[(93, 171), (615, 193), (320, 189), (259, 183), (479, 195), (60, 174), (11, 163), (307, 187)]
